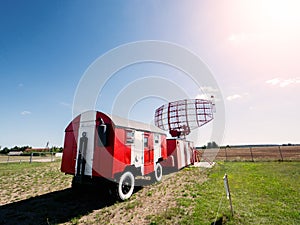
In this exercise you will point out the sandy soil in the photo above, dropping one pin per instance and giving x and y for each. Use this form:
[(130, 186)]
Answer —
[(42, 195)]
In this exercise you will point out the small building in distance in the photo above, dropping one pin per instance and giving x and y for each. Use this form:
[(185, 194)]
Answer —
[(36, 150), (15, 153)]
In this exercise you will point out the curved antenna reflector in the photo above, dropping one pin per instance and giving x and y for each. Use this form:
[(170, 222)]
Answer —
[(180, 117)]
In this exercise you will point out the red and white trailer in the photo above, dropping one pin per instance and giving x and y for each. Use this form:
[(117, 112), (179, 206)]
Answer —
[(101, 146)]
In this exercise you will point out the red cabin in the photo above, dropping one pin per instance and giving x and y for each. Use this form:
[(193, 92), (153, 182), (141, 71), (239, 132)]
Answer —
[(101, 146), (180, 154)]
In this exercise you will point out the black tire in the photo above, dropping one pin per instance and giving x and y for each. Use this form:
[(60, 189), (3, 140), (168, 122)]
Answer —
[(158, 172), (125, 186)]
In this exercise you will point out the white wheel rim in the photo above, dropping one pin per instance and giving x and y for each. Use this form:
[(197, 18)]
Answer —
[(158, 172), (126, 185)]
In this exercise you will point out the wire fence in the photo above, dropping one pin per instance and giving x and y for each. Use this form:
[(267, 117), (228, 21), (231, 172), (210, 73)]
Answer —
[(272, 153), (32, 157)]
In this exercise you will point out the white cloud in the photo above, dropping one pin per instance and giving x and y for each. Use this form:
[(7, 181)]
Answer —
[(273, 81), (201, 96), (233, 97), (207, 97), (246, 37), (283, 82), (25, 113), (65, 104), (209, 89), (237, 96)]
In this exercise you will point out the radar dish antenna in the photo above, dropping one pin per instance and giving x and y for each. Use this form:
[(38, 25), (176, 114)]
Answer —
[(180, 117)]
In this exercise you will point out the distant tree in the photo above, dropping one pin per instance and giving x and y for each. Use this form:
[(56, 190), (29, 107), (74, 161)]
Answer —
[(14, 149), (209, 145), (212, 144), (56, 149), (5, 150)]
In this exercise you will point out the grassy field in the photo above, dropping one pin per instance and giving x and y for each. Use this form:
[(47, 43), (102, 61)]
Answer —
[(262, 193)]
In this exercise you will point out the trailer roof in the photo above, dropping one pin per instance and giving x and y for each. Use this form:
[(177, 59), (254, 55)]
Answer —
[(132, 124), (118, 121)]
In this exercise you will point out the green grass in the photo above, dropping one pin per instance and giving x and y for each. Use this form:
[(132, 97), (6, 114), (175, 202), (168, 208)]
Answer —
[(262, 193)]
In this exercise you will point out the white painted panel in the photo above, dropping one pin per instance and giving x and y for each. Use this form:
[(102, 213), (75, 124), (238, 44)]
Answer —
[(157, 147), (137, 150), (88, 125), (188, 153), (181, 145)]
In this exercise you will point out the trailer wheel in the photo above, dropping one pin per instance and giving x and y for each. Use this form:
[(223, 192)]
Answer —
[(125, 186), (158, 172)]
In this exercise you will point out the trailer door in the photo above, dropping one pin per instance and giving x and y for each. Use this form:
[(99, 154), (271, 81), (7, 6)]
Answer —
[(85, 144), (137, 150), (148, 153)]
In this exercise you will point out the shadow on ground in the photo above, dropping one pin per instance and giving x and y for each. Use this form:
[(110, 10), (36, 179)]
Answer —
[(60, 206), (55, 207)]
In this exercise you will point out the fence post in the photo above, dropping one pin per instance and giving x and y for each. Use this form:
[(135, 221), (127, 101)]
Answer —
[(251, 154), (227, 189), (280, 153), (31, 154)]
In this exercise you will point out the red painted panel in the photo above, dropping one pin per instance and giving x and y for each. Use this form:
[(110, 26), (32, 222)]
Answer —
[(171, 146), (122, 152), (103, 158), (148, 168), (70, 147), (103, 155), (163, 147), (148, 153)]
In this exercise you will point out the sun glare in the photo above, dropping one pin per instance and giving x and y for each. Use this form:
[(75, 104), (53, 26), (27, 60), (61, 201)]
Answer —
[(282, 11)]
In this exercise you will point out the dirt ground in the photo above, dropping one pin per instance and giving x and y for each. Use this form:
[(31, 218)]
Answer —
[(42, 195)]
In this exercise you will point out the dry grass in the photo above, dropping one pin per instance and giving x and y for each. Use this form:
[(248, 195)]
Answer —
[(39, 193), (23, 181)]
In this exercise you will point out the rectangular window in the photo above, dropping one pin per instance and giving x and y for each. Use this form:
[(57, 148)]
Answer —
[(156, 138), (145, 142), (129, 137)]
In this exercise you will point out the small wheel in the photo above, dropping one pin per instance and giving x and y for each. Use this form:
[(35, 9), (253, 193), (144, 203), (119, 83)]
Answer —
[(158, 172), (125, 186)]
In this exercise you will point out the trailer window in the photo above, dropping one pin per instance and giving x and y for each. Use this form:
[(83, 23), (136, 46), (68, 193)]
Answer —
[(145, 142), (156, 138), (102, 135), (129, 137)]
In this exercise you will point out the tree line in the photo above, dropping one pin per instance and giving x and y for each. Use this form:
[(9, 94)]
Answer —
[(23, 148)]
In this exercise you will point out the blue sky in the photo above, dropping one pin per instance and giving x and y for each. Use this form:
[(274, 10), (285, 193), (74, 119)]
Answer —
[(252, 48)]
